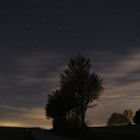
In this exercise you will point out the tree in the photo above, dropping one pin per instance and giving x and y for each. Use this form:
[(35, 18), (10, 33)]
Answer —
[(117, 119), (137, 117), (129, 114), (78, 87)]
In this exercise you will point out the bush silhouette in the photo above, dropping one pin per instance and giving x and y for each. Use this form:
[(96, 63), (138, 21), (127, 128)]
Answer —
[(129, 114), (117, 119), (137, 117)]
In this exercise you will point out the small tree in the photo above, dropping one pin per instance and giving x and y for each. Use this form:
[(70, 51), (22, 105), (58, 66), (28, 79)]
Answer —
[(78, 87), (129, 114), (118, 119)]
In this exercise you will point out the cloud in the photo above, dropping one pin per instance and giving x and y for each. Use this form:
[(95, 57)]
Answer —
[(23, 91), (121, 83), (34, 76), (14, 116)]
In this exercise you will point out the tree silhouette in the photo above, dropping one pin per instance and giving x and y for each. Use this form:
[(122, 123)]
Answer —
[(117, 119), (129, 114), (137, 117), (78, 87)]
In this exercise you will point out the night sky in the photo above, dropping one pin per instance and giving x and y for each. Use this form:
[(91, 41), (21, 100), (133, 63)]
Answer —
[(37, 39)]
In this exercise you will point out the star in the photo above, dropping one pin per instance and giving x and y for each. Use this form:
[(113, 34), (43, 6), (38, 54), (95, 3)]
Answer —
[(29, 12), (65, 27), (25, 31), (69, 26), (137, 38), (60, 28)]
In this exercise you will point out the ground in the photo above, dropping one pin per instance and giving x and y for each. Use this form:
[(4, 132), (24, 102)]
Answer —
[(92, 133)]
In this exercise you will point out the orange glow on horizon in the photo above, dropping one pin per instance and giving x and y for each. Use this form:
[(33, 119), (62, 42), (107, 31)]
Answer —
[(18, 124), (11, 124)]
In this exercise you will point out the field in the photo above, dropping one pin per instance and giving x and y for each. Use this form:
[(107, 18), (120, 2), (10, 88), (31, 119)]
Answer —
[(113, 133), (14, 133), (93, 133)]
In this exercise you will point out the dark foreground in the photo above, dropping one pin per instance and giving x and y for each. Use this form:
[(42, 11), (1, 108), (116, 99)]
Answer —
[(92, 133), (14, 133), (114, 133)]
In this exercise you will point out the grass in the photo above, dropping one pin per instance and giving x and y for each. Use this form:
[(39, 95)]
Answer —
[(14, 133), (113, 133), (91, 133)]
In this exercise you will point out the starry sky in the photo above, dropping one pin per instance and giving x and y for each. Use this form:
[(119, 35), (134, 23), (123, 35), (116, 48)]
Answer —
[(37, 39)]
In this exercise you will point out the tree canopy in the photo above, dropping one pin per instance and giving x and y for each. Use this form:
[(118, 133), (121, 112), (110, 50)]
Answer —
[(117, 119), (78, 87), (129, 114), (125, 118)]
